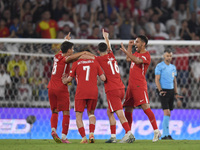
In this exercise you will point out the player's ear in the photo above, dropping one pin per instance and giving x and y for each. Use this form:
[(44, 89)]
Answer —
[(98, 52)]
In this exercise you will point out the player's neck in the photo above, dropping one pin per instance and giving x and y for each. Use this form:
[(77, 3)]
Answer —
[(167, 63), (143, 51), (102, 54)]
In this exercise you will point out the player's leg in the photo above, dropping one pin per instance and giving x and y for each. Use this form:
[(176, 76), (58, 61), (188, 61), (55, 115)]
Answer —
[(91, 105), (129, 137), (79, 109), (165, 124), (112, 127), (54, 116), (63, 104), (65, 126), (128, 114), (147, 110)]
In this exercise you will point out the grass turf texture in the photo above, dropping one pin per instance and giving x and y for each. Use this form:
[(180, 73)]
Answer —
[(99, 145)]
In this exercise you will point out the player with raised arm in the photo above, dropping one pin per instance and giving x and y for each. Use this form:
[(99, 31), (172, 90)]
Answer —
[(114, 89), (85, 71), (136, 94), (58, 92)]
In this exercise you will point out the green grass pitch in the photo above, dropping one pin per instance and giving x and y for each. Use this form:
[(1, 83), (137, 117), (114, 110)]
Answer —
[(99, 145)]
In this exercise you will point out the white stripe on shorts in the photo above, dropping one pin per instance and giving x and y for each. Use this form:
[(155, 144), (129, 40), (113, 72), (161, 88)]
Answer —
[(146, 97), (110, 106)]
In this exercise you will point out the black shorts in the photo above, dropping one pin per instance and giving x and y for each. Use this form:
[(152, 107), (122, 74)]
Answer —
[(167, 101)]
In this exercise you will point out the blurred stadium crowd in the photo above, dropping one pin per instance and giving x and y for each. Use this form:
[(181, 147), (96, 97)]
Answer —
[(24, 79)]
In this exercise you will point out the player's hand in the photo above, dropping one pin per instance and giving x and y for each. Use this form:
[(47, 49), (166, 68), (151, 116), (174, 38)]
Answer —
[(131, 42), (105, 34), (64, 78), (177, 97), (68, 36), (162, 93), (179, 103), (123, 49)]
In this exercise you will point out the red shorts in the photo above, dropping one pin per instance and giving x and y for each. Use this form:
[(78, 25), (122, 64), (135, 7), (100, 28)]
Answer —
[(59, 100), (80, 104), (136, 98), (115, 98)]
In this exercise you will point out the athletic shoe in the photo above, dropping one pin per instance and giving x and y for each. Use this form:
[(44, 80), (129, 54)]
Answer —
[(111, 140), (157, 135), (84, 141), (65, 141), (164, 138), (128, 138), (55, 137), (91, 138), (170, 137)]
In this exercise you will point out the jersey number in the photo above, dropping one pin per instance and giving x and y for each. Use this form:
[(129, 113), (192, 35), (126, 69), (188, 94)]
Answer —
[(54, 66), (87, 68), (115, 68)]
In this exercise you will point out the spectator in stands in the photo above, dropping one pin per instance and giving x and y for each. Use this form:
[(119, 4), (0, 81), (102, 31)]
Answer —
[(28, 19), (65, 21), (172, 33), (184, 31), (24, 91), (159, 34), (109, 7), (42, 5), (96, 5), (17, 62), (142, 25), (95, 33), (145, 4), (43, 91), (4, 31), (1, 6), (58, 9), (175, 22), (67, 29), (81, 7), (166, 11), (137, 13), (47, 28), (5, 81), (111, 31), (193, 24), (29, 32), (184, 13), (15, 25), (25, 8), (7, 17), (83, 31), (56, 47)]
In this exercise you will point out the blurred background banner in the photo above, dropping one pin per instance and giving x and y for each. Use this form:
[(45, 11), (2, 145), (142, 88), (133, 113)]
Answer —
[(14, 124)]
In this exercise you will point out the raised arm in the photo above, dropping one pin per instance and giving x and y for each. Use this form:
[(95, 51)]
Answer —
[(92, 18), (75, 18), (133, 58), (105, 36)]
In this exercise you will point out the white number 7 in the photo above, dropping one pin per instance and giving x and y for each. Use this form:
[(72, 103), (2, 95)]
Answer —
[(87, 68)]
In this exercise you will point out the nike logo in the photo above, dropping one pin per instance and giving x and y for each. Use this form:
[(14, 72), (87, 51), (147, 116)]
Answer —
[(192, 130), (141, 100)]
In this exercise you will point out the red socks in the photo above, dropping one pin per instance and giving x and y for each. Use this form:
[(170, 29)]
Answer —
[(54, 120), (129, 118), (92, 127), (126, 126), (65, 124), (82, 131), (113, 129), (151, 117)]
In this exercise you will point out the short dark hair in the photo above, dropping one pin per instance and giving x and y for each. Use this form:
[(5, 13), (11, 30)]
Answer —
[(102, 47), (143, 38), (168, 50), (85, 48), (65, 46)]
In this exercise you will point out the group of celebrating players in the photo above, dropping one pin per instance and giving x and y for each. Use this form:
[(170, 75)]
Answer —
[(85, 69)]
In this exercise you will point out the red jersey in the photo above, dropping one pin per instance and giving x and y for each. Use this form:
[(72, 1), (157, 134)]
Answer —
[(59, 68), (137, 73), (85, 71), (110, 67)]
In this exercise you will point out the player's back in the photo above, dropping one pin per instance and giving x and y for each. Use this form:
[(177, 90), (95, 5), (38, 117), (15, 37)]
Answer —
[(59, 68), (109, 64), (137, 78), (85, 71)]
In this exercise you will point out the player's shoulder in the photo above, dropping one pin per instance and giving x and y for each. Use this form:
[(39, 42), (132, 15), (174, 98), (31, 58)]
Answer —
[(160, 64)]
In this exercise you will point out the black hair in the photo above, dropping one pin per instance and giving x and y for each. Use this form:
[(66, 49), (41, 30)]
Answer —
[(85, 48), (65, 46), (168, 50), (143, 38), (95, 27), (102, 47)]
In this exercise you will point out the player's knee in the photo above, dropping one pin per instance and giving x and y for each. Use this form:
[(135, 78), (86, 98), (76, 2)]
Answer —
[(54, 111), (65, 112)]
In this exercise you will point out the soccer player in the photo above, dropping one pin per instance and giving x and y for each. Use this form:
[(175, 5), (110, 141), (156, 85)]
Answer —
[(165, 78), (136, 94), (114, 89), (85, 71), (58, 92)]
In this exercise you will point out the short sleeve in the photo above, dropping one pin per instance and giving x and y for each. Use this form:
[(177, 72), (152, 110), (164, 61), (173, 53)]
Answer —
[(158, 70), (73, 70), (8, 79), (146, 59)]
